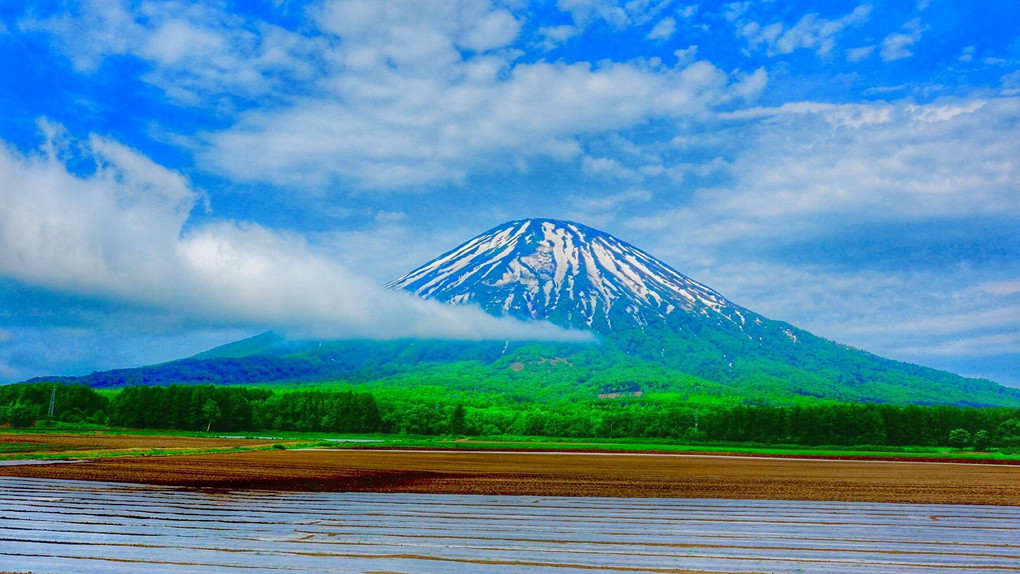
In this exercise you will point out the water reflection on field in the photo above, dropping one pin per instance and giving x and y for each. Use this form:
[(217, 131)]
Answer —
[(67, 526)]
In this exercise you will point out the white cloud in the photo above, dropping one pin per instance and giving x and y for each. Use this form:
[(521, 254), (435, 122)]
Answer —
[(622, 15), (1010, 84), (911, 316), (553, 36), (119, 233), (810, 32), (749, 86), (686, 56), (584, 12), (391, 94), (734, 10), (401, 128), (98, 30), (808, 173), (592, 206), (859, 54), (817, 161), (897, 46), (494, 30), (608, 167), (663, 30), (198, 52), (1001, 287)]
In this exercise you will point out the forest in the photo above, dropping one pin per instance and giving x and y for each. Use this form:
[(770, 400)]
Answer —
[(235, 408)]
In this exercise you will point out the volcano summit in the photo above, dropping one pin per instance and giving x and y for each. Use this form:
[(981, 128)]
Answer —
[(565, 272)]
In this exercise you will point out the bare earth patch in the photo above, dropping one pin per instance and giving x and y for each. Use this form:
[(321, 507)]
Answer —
[(559, 474)]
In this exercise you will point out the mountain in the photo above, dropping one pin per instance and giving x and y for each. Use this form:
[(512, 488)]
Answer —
[(580, 277), (566, 273), (661, 335)]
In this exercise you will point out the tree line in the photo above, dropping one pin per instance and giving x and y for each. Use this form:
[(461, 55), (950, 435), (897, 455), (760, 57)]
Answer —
[(235, 408)]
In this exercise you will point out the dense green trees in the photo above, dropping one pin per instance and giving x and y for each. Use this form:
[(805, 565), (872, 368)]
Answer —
[(959, 438), (322, 411), (21, 405), (436, 411)]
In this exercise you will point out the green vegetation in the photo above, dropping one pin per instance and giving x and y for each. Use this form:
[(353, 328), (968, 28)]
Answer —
[(434, 411), (771, 363)]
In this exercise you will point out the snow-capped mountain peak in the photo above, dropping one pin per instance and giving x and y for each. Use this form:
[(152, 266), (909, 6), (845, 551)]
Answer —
[(565, 272)]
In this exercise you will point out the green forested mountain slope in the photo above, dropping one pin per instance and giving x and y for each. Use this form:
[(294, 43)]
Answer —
[(703, 369)]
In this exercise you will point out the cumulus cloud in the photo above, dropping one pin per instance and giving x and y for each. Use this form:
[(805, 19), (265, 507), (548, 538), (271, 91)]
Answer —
[(686, 55), (118, 232), (388, 95), (395, 128), (857, 222), (811, 32), (897, 46), (859, 54), (943, 159), (197, 51), (663, 30), (617, 15), (553, 36)]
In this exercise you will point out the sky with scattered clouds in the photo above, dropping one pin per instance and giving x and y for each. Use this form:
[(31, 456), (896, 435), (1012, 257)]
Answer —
[(178, 175)]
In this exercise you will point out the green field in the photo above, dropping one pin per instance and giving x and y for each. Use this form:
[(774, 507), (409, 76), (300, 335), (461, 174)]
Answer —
[(13, 449)]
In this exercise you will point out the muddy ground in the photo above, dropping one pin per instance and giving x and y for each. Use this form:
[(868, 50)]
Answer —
[(557, 474)]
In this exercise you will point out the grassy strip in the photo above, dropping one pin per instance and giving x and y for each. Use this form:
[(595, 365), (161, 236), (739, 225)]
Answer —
[(291, 440), (95, 454), (637, 445)]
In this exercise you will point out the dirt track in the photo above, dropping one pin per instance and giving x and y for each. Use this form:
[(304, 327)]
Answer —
[(558, 474)]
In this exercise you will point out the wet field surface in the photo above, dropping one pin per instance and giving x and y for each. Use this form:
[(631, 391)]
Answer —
[(70, 526)]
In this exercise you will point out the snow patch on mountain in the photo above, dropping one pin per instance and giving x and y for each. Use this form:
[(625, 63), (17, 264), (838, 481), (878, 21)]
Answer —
[(564, 271)]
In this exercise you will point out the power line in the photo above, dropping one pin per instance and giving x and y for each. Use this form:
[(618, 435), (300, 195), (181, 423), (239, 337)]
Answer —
[(53, 400)]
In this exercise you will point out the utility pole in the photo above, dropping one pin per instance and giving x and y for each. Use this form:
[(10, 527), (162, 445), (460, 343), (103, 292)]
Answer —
[(696, 431), (53, 401)]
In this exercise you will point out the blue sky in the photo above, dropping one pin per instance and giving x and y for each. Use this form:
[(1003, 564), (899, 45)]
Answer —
[(177, 175)]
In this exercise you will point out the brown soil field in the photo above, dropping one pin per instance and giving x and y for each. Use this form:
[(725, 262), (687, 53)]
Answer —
[(104, 443), (558, 474)]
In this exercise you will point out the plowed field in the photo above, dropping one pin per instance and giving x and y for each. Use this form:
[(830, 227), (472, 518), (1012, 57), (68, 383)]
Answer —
[(558, 474)]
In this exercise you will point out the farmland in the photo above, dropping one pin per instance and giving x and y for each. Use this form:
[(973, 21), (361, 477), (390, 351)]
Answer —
[(247, 463), (108, 528), (229, 504)]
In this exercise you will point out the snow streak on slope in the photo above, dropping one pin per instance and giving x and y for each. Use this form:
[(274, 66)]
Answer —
[(563, 271)]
